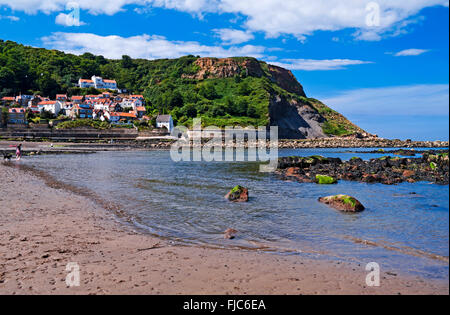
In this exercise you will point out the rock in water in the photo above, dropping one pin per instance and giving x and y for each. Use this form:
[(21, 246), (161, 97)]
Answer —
[(325, 180), (343, 203), (238, 194), (230, 234)]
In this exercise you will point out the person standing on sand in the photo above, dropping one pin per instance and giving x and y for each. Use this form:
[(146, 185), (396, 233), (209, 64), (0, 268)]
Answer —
[(19, 152)]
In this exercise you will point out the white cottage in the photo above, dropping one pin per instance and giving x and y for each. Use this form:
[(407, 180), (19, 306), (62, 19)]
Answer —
[(164, 121), (98, 83)]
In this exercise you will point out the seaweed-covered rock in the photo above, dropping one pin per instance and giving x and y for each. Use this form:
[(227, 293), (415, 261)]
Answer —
[(238, 194), (325, 180), (343, 203), (385, 170)]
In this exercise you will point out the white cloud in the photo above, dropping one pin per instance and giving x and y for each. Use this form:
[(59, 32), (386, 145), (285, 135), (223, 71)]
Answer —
[(233, 37), (303, 17), (9, 17), (142, 46), (314, 65), (68, 20), (109, 7), (411, 52), (299, 18), (413, 100)]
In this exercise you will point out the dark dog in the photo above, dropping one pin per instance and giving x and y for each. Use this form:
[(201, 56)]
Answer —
[(7, 156)]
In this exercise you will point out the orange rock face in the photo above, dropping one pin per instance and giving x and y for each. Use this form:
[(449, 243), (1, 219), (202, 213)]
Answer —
[(218, 68)]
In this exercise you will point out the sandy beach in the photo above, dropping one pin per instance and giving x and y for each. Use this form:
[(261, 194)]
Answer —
[(43, 228)]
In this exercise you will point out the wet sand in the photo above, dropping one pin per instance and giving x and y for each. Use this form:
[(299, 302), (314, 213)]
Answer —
[(43, 228)]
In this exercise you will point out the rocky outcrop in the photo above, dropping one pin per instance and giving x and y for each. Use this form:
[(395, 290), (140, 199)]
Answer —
[(238, 194), (343, 203), (219, 68), (385, 170), (354, 142), (214, 68), (286, 80), (295, 120)]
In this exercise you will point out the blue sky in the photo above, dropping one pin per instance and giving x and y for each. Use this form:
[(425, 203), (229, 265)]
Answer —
[(383, 64)]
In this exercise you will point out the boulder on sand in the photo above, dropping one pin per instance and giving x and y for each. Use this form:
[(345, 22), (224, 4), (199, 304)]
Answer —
[(238, 194), (343, 203)]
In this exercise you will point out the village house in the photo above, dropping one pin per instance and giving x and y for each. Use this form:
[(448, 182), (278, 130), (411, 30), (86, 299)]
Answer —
[(66, 108), (23, 100), (53, 107), (122, 118), (82, 111), (34, 101), (113, 117), (137, 97), (34, 109), (16, 116), (127, 117), (7, 100), (100, 104), (61, 97), (131, 103), (98, 83), (140, 111), (77, 99), (99, 114), (165, 121)]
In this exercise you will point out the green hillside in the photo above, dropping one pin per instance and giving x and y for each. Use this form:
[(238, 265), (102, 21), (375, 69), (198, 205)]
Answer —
[(230, 92)]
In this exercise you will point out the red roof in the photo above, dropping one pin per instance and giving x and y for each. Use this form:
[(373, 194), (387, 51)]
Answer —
[(136, 96), (87, 81), (140, 109), (47, 103), (17, 110), (8, 98), (77, 97), (127, 115), (109, 81)]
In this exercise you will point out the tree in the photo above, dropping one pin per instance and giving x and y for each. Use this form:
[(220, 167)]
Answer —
[(244, 88), (126, 62), (47, 84), (189, 110), (252, 112), (207, 90), (4, 117), (217, 110), (47, 115), (240, 107)]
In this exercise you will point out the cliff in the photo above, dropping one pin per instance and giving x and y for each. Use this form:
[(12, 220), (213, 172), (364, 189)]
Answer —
[(215, 68), (296, 116)]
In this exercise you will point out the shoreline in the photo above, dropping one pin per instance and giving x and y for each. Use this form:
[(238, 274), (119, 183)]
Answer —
[(48, 147), (42, 232)]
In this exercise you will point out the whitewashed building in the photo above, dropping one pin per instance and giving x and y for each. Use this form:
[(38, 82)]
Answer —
[(98, 83), (164, 121), (131, 103), (53, 107)]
